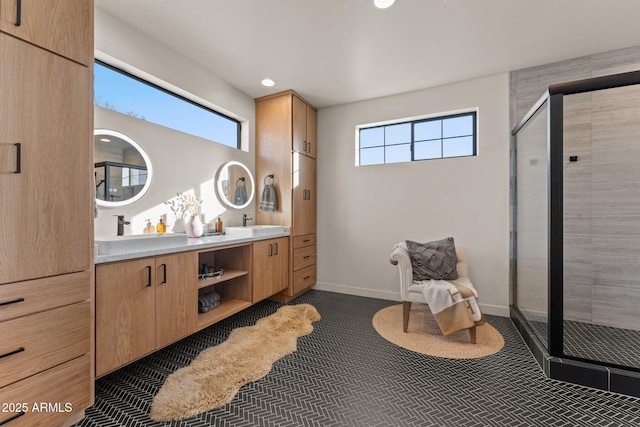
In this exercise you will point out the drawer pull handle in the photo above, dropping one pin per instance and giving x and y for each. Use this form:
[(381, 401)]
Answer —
[(15, 301), (307, 257), (306, 240), (164, 273), (307, 277), (8, 420), (276, 253), (20, 350), (19, 13), (18, 157), (148, 276)]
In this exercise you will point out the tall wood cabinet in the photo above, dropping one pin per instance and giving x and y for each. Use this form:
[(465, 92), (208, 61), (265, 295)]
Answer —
[(46, 222), (286, 147)]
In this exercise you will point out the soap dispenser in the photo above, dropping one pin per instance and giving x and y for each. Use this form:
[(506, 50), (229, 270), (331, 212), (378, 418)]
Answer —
[(161, 227), (149, 228)]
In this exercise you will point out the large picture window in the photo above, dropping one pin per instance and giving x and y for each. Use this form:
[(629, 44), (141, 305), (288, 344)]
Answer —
[(431, 138), (124, 93)]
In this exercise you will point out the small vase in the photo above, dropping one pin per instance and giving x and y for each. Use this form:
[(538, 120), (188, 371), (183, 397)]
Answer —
[(178, 226), (194, 226)]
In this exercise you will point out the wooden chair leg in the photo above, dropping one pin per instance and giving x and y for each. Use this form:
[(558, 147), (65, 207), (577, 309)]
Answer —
[(472, 335), (406, 308)]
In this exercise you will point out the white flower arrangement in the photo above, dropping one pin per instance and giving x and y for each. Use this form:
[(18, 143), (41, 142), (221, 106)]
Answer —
[(184, 203)]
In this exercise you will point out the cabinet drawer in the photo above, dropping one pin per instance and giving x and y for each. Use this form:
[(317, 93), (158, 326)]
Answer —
[(304, 279), (306, 240), (32, 296), (304, 257), (31, 344), (49, 398)]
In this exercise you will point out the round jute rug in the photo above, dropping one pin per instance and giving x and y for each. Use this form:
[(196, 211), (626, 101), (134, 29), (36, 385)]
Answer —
[(423, 334)]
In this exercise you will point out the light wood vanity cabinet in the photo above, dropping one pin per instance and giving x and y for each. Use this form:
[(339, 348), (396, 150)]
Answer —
[(270, 267), (286, 147), (143, 305), (46, 214)]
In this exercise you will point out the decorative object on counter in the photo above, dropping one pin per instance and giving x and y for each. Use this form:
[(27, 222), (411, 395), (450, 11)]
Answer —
[(208, 301), (219, 225), (215, 376), (195, 228), (269, 201), (161, 227), (182, 205), (149, 228), (241, 192)]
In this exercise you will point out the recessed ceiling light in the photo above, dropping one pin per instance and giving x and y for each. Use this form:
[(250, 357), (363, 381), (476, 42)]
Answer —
[(383, 4), (268, 82)]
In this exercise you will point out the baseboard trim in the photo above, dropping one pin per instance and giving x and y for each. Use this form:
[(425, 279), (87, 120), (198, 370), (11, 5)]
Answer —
[(494, 310), (361, 292)]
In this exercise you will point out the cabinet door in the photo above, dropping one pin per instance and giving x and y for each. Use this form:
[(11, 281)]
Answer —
[(45, 135), (125, 313), (61, 26), (299, 125), (304, 195), (270, 267), (176, 297)]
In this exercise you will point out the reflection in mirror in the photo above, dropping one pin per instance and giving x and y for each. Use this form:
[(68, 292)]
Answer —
[(235, 185), (122, 169)]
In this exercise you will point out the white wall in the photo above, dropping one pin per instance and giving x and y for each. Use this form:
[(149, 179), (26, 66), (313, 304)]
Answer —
[(181, 162), (364, 211)]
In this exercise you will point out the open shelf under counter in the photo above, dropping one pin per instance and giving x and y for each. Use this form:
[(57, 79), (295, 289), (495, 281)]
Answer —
[(227, 307), (228, 275)]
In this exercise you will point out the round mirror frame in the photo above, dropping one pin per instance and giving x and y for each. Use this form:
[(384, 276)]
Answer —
[(220, 190), (129, 140)]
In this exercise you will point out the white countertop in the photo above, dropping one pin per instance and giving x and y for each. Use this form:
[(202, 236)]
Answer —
[(191, 245)]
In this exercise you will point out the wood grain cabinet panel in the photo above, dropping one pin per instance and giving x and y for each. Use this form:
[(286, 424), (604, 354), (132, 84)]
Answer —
[(55, 25), (32, 296), (45, 135), (270, 267), (176, 297), (67, 387), (125, 313), (34, 343)]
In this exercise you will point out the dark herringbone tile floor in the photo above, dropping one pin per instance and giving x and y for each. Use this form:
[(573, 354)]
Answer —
[(345, 374)]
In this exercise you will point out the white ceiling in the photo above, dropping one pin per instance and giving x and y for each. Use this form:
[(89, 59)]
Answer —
[(338, 51)]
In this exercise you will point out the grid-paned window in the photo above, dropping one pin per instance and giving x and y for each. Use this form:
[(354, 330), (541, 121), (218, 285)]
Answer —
[(432, 138)]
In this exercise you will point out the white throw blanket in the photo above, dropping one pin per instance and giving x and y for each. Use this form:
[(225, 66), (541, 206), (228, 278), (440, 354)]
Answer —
[(453, 303)]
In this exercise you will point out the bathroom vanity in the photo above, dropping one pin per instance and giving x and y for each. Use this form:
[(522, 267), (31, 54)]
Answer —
[(147, 299)]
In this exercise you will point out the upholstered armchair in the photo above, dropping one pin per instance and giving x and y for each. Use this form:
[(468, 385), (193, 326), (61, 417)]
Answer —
[(411, 291)]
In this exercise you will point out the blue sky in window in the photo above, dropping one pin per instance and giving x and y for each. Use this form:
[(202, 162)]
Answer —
[(121, 93)]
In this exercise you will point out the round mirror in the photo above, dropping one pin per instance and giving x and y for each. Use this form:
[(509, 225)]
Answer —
[(235, 185), (122, 170)]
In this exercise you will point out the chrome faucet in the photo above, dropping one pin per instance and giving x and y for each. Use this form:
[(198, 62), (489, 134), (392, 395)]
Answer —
[(121, 224), (246, 218)]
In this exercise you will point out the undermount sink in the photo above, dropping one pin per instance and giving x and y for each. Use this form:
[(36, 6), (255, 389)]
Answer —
[(257, 230), (139, 242)]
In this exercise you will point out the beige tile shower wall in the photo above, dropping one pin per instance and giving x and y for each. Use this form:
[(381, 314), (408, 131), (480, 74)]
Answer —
[(601, 189)]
